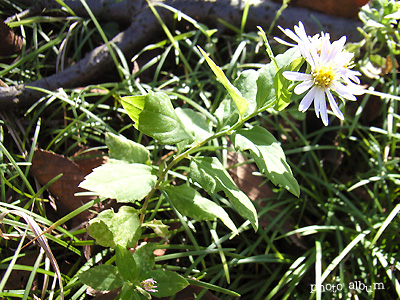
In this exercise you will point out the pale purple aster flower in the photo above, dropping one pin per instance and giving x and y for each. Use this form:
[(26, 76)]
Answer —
[(149, 285), (299, 36), (329, 64)]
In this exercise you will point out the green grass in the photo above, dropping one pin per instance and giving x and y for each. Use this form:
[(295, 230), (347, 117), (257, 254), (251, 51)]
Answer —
[(343, 227)]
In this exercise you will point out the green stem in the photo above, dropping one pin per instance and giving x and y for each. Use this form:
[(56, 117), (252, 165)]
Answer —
[(185, 154)]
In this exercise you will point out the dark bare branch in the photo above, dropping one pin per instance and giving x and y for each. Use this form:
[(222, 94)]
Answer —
[(145, 25)]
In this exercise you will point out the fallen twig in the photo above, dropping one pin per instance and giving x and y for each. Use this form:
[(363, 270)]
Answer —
[(145, 25)]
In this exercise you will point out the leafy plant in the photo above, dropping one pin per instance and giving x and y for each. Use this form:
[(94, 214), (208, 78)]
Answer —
[(130, 177), (342, 228)]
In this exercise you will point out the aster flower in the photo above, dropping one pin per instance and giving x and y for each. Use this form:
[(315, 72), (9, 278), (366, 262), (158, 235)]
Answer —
[(149, 285), (299, 36), (330, 73)]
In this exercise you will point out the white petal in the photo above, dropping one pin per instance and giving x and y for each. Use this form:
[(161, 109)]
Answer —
[(352, 75), (296, 76), (337, 47), (323, 110), (356, 89), (292, 35), (313, 56), (302, 87), (305, 52), (284, 42), (319, 99), (301, 32), (343, 58), (307, 100), (344, 91), (325, 49), (334, 105)]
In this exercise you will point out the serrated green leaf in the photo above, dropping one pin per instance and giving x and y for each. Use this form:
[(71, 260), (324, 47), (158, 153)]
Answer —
[(190, 203), (240, 102), (266, 95), (126, 264), (102, 278), (281, 84), (195, 122), (121, 181), (212, 176), (123, 149), (110, 229), (157, 118), (168, 283), (144, 259), (268, 155)]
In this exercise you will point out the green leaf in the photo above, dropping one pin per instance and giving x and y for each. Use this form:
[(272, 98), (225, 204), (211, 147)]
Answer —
[(265, 86), (128, 292), (126, 264), (133, 106), (121, 181), (158, 227), (190, 203), (168, 283), (281, 84), (266, 95), (111, 229), (102, 278), (246, 83), (240, 102), (212, 176), (144, 259), (195, 122), (268, 155), (157, 118), (226, 114), (123, 149)]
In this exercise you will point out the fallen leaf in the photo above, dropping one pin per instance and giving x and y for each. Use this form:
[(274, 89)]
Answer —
[(10, 42), (88, 160), (258, 191), (19, 278), (243, 176), (46, 165), (389, 65)]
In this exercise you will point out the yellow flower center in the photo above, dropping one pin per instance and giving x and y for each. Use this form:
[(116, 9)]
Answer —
[(323, 76)]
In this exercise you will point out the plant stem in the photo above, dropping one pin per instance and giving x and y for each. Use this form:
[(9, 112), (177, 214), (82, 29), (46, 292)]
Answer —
[(191, 150)]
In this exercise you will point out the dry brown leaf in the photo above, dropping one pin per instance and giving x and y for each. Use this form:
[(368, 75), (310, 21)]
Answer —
[(19, 278), (88, 160), (243, 176), (254, 188), (10, 42), (389, 65), (46, 165)]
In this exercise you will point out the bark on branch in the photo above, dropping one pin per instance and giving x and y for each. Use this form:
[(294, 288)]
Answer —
[(143, 24)]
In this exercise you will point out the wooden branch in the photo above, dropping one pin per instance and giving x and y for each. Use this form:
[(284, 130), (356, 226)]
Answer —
[(144, 25)]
